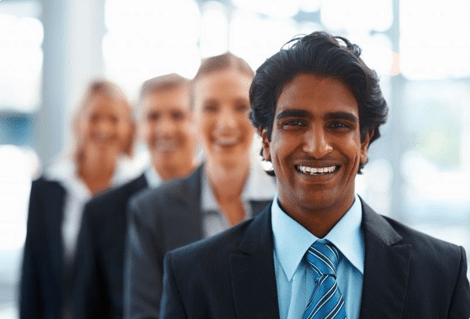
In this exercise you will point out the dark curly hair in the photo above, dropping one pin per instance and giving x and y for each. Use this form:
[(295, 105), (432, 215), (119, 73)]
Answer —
[(322, 54)]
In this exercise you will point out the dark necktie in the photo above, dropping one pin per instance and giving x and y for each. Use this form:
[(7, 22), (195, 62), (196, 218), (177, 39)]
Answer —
[(326, 301)]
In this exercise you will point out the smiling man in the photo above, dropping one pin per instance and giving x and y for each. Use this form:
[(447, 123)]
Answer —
[(319, 251)]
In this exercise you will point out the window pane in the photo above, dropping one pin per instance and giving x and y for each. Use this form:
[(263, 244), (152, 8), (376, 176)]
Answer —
[(150, 38), (434, 39), (214, 29), (272, 8), (357, 16), (435, 165), (255, 38), (20, 56)]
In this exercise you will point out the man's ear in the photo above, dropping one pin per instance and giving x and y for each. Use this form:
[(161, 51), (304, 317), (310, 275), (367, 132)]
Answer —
[(365, 146), (266, 145)]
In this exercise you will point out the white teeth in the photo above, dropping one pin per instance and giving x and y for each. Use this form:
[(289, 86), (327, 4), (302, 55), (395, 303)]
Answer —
[(316, 171)]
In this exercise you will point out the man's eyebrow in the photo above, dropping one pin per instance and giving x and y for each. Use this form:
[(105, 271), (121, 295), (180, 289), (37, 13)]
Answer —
[(330, 116), (342, 116), (293, 113)]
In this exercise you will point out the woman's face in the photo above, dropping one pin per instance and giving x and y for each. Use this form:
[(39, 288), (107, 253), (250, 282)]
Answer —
[(105, 126), (221, 108)]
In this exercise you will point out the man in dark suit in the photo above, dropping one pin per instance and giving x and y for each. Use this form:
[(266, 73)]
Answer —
[(319, 251), (166, 126)]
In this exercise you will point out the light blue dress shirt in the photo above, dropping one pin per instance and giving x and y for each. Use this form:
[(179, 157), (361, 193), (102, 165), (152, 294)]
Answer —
[(295, 279)]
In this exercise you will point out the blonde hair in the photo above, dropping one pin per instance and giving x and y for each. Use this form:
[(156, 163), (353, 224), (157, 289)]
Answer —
[(107, 89)]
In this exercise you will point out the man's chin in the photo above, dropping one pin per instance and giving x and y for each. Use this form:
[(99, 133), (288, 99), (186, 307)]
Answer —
[(319, 200)]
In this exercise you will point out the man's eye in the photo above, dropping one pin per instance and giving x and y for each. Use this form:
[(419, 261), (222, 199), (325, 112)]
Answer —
[(153, 116), (339, 125), (293, 123)]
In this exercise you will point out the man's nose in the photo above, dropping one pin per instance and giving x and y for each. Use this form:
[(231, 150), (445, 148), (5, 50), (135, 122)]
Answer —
[(166, 126), (317, 143)]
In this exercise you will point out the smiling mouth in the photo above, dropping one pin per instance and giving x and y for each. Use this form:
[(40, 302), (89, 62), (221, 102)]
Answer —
[(316, 170)]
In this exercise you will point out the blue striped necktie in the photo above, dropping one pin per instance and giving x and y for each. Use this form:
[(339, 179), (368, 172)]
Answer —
[(326, 301)]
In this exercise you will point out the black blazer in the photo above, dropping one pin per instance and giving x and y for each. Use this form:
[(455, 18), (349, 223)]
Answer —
[(161, 220), (407, 274), (100, 253), (41, 287)]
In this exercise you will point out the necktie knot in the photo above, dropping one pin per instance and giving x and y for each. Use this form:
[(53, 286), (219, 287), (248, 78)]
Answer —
[(323, 258)]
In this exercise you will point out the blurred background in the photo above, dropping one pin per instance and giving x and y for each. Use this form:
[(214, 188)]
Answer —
[(418, 172)]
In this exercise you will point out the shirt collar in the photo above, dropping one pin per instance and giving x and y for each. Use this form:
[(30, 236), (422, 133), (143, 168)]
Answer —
[(259, 187), (291, 240), (151, 176)]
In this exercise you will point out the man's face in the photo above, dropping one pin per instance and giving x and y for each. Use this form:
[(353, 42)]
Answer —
[(167, 127), (315, 145)]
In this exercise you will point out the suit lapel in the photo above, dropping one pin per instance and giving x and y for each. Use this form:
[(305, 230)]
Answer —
[(54, 209), (257, 207), (184, 223), (138, 184), (386, 268), (252, 271)]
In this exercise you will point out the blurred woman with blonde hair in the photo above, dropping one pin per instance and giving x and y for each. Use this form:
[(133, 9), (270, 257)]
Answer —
[(103, 134)]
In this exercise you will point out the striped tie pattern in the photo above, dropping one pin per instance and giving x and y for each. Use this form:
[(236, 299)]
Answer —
[(326, 301)]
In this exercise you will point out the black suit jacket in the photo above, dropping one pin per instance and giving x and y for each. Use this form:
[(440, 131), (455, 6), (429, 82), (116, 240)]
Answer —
[(407, 274), (100, 253), (42, 288), (161, 220)]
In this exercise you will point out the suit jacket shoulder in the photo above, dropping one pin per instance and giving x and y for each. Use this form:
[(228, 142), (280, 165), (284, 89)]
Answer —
[(105, 206), (171, 211), (171, 191), (408, 274), (230, 275)]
